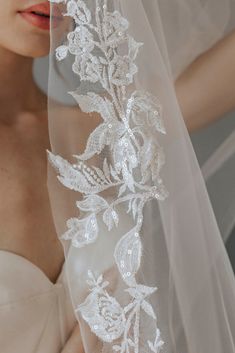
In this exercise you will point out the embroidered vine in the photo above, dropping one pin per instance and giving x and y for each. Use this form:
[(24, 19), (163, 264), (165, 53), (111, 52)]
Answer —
[(130, 128)]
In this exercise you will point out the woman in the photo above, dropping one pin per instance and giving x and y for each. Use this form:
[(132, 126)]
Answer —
[(30, 278), (29, 238), (24, 138)]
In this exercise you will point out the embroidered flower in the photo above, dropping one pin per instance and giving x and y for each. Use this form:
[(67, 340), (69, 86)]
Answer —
[(102, 312), (87, 67), (114, 28), (81, 231), (146, 111), (122, 70), (62, 52), (80, 41), (78, 10)]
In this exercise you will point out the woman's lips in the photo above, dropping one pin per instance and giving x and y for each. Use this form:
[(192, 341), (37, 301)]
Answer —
[(39, 15)]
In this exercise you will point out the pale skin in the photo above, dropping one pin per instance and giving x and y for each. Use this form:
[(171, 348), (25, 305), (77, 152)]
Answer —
[(26, 224), (205, 90)]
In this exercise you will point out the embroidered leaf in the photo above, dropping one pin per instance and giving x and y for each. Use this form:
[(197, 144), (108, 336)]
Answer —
[(99, 279), (133, 48), (148, 309), (128, 178), (96, 142), (134, 293), (158, 343), (92, 102), (122, 189), (104, 134), (106, 169), (114, 174), (110, 217), (69, 176), (92, 203), (151, 346), (140, 292), (128, 254), (134, 207), (129, 206), (129, 307), (146, 290)]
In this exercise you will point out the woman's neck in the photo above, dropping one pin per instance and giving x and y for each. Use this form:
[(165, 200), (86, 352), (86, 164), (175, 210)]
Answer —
[(18, 90)]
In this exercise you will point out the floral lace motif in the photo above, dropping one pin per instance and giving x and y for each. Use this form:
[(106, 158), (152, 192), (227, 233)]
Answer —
[(130, 128)]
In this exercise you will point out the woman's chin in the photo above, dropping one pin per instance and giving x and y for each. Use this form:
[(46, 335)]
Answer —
[(29, 46), (38, 53), (30, 52)]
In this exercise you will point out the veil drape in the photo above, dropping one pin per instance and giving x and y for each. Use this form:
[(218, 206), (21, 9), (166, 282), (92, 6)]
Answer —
[(219, 174), (145, 262)]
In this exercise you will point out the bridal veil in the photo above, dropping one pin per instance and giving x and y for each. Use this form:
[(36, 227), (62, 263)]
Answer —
[(145, 263)]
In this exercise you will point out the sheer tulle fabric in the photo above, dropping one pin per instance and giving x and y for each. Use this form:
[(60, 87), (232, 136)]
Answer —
[(219, 173), (145, 261)]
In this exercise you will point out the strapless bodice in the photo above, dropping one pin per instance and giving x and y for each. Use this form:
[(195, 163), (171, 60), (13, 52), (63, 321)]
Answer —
[(36, 315)]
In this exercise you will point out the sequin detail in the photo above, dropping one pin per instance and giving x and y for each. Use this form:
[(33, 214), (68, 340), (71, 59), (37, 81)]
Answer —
[(132, 122)]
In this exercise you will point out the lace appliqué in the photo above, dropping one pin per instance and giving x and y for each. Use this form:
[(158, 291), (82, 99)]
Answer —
[(130, 128)]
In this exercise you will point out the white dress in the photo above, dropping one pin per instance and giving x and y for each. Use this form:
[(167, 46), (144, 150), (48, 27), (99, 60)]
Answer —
[(36, 316)]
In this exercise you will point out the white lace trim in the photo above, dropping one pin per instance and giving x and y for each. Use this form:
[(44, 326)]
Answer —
[(130, 128)]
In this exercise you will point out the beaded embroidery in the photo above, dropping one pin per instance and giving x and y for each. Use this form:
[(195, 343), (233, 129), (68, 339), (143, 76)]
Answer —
[(130, 128)]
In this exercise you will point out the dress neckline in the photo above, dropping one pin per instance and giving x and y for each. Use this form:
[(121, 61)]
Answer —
[(35, 267)]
